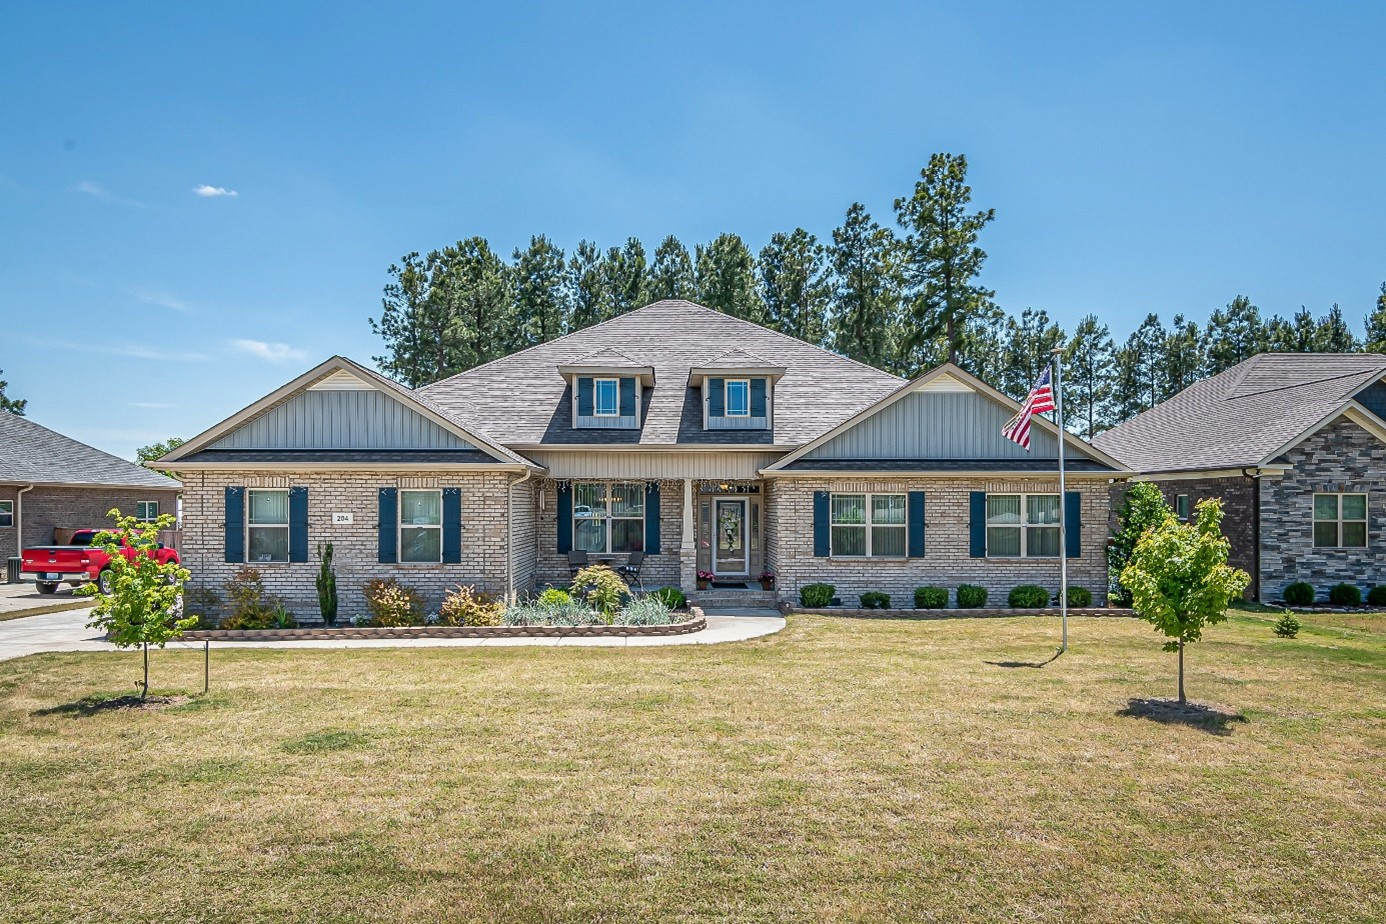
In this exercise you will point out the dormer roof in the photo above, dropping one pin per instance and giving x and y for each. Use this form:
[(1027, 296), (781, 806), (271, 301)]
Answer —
[(609, 361)]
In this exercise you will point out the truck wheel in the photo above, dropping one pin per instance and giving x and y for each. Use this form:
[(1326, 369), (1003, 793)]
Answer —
[(103, 581), (47, 587)]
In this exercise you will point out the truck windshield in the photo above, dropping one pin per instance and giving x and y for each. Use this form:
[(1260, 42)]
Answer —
[(83, 537)]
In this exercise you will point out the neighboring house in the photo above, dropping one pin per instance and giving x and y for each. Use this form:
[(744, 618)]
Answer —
[(705, 442), (50, 483), (1295, 446)]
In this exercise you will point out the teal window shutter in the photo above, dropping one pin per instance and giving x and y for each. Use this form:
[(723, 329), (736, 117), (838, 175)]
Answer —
[(915, 508), (716, 398), (235, 525), (387, 541), (565, 519), (584, 392), (758, 398), (977, 545), (452, 526), (822, 543), (652, 518), (298, 524), (627, 406), (1073, 524)]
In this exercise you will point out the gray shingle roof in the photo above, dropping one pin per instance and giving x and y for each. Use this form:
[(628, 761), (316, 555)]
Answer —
[(1243, 415), (522, 399), (33, 454)]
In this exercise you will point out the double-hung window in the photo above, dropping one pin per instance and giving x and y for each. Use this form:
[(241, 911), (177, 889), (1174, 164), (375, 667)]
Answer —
[(1023, 525), (1340, 521), (1181, 507), (738, 398), (267, 526), (6, 513), (421, 526), (609, 516), (606, 397), (147, 511), (868, 525)]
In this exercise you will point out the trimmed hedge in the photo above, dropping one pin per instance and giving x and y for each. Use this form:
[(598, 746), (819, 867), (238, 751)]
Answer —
[(1377, 595), (1299, 594), (971, 597), (875, 600), (1345, 595), (1028, 597), (671, 597), (1079, 597), (816, 595), (930, 598)]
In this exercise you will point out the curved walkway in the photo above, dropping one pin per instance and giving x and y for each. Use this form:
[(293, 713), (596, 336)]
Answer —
[(68, 632)]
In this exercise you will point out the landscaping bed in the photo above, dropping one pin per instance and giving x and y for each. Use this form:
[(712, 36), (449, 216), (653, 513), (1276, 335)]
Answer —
[(694, 623), (958, 612)]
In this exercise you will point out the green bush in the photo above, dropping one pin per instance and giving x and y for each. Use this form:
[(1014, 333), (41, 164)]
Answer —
[(600, 588), (557, 614), (202, 602), (671, 597), (930, 598), (1345, 595), (1287, 626), (1080, 597), (1377, 595), (466, 606), (281, 618), (816, 595), (970, 596), (247, 604), (647, 611), (555, 596), (1028, 597), (393, 604), (1299, 594), (875, 600)]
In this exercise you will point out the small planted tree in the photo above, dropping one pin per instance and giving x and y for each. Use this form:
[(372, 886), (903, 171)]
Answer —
[(1143, 507), (1179, 578), (144, 606), (327, 586)]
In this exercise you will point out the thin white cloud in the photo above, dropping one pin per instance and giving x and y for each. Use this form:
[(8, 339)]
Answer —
[(89, 188), (213, 192), (116, 349), (270, 352), (161, 299)]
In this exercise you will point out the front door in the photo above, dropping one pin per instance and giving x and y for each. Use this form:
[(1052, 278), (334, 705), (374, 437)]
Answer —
[(729, 550)]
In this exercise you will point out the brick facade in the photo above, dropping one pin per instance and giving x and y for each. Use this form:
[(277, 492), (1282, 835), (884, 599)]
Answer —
[(1238, 496), (48, 508), (946, 562), (657, 571)]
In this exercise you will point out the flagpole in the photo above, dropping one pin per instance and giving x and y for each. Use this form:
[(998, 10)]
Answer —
[(1063, 495)]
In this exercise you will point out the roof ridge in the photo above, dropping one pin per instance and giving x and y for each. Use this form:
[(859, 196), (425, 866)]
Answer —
[(1327, 378)]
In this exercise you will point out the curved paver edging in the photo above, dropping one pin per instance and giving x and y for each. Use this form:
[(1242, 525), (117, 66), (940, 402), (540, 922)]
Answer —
[(959, 613), (321, 633)]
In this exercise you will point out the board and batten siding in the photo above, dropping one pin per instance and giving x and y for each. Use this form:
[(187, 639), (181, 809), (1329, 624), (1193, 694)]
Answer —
[(653, 465), (937, 425), (341, 419)]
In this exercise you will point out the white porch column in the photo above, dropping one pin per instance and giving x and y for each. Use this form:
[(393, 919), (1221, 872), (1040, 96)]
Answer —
[(688, 547)]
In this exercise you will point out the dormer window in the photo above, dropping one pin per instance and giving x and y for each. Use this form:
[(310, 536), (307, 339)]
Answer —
[(738, 397), (606, 397)]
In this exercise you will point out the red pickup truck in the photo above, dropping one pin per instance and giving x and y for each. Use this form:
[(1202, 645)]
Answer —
[(78, 562)]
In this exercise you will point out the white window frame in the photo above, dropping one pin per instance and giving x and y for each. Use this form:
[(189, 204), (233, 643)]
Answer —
[(607, 517), (726, 397), (401, 526), (7, 511), (596, 397), (1025, 525), (1181, 507), (1339, 520), (140, 514), (869, 524), (249, 508)]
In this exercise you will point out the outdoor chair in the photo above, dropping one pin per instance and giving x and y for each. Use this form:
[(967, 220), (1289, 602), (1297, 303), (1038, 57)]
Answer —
[(631, 569), (577, 560)]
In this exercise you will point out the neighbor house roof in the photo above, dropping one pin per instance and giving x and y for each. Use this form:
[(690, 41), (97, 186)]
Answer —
[(33, 454), (1247, 415), (524, 400)]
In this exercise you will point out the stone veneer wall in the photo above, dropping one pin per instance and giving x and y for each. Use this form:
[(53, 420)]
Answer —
[(946, 562), (484, 535), (1340, 457), (46, 509), (657, 571)]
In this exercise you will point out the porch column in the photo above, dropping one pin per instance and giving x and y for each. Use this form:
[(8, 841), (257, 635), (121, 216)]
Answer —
[(688, 547)]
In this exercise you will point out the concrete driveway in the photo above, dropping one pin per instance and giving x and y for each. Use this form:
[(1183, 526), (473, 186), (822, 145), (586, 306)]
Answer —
[(24, 597)]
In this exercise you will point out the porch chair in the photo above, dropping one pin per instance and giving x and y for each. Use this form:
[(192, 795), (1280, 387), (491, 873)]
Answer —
[(577, 560), (631, 570)]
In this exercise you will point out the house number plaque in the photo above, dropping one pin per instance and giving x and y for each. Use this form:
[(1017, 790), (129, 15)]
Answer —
[(341, 519)]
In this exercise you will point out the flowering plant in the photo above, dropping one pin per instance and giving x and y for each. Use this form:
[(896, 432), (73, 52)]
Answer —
[(706, 575), (766, 576)]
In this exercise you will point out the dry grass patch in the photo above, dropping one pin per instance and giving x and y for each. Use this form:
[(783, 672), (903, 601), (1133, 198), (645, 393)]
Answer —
[(843, 770)]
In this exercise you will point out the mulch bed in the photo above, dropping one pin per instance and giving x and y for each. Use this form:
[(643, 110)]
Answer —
[(695, 623), (958, 613)]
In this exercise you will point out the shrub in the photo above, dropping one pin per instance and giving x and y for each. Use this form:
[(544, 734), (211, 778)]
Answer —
[(281, 618), (393, 604), (326, 584), (816, 595), (600, 588), (248, 606), (557, 614), (647, 611), (202, 602), (1142, 508), (671, 597), (875, 600), (1080, 597), (1028, 596), (930, 598), (970, 596), (1377, 595), (1299, 593), (1345, 595), (466, 606), (554, 596), (1287, 626)]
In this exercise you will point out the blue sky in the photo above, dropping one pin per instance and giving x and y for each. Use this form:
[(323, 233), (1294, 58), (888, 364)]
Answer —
[(1151, 157)]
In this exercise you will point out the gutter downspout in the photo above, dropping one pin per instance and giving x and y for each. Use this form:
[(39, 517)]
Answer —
[(19, 520), (510, 534)]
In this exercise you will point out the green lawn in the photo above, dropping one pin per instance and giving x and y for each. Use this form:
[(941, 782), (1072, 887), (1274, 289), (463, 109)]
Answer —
[(843, 770)]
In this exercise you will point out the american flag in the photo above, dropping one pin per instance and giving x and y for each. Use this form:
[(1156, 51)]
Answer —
[(1041, 399)]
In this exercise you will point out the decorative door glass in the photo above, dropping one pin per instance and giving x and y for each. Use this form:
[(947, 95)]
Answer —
[(729, 521)]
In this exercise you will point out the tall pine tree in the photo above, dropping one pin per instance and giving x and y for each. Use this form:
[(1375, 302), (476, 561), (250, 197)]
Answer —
[(795, 286), (422, 341), (1029, 341), (1233, 334), (627, 277), (726, 278), (1376, 325), (541, 299), (480, 292), (10, 405), (1088, 378), (1334, 335), (1137, 384), (866, 289), (588, 297), (672, 273), (1184, 356)]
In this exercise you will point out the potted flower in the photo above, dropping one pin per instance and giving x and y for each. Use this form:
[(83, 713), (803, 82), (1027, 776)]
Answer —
[(767, 580), (704, 579)]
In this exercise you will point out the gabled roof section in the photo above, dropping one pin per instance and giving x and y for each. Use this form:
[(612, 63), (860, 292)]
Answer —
[(337, 374), (948, 381), (521, 397), (31, 453), (1248, 415), (609, 361), (734, 362)]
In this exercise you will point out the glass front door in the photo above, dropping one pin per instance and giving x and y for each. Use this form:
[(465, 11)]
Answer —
[(729, 550)]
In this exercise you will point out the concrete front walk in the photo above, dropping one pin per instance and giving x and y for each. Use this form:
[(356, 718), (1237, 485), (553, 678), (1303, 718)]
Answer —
[(68, 632), (17, 599)]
